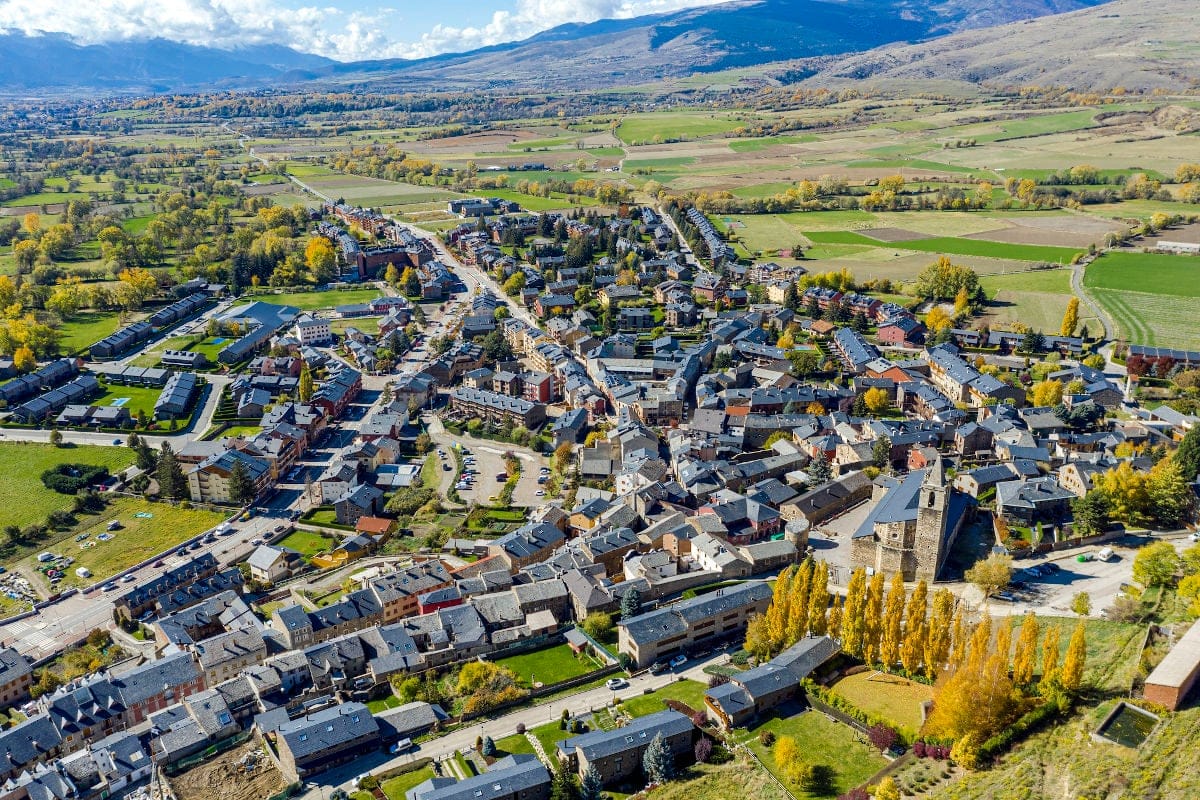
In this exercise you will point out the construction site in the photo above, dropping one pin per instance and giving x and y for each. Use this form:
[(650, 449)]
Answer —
[(244, 772)]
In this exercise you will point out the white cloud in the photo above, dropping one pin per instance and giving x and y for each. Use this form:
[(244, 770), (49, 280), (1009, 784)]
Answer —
[(327, 31)]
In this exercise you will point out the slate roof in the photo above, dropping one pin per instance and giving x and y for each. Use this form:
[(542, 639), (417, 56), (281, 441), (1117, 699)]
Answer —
[(327, 729), (638, 733), (674, 619), (513, 776)]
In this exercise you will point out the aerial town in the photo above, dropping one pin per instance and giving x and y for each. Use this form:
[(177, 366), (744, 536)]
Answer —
[(583, 503)]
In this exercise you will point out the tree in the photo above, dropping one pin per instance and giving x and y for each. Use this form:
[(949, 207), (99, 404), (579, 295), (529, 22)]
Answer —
[(598, 625), (1050, 655), (937, 320), (171, 481), (1156, 564), (56, 437), (1026, 651), (321, 259), (820, 469), (631, 604), (873, 618), (882, 737), (24, 360), (853, 629), (515, 283), (392, 276), (991, 574), (818, 599), (241, 487), (887, 789), (878, 401), (562, 783), (916, 630), (658, 761), (1090, 513), (489, 747), (305, 389), (1070, 318), (1047, 393), (563, 454), (1081, 604), (942, 280), (937, 639), (1172, 501), (893, 623), (591, 787), (1188, 454), (881, 453), (1075, 660)]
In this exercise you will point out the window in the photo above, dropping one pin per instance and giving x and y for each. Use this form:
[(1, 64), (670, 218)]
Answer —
[(354, 718), (304, 737)]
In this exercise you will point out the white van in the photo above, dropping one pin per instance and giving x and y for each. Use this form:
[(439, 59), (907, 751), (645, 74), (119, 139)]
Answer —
[(1106, 554), (83, 572)]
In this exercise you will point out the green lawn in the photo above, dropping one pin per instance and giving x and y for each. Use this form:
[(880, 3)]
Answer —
[(159, 528), (395, 788), (550, 735), (685, 691), (137, 398), (383, 703), (311, 301), (306, 543), (896, 699), (822, 741), (551, 665), (22, 494), (1054, 281), (86, 328), (512, 745), (556, 200)]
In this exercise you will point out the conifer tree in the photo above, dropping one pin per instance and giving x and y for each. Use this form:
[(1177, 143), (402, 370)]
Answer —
[(818, 599), (1023, 656), (853, 622), (658, 761), (591, 787), (1075, 660), (937, 639), (873, 619), (1050, 654), (916, 629), (892, 628)]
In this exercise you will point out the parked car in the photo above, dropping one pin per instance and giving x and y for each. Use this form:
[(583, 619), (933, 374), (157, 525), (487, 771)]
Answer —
[(678, 661), (616, 683), (129, 578), (657, 667), (108, 587), (402, 746)]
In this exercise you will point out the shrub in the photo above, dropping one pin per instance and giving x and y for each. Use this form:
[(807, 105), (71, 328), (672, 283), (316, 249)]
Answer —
[(919, 749), (699, 719), (855, 794), (70, 478), (882, 737), (766, 738), (717, 680), (520, 728), (704, 750)]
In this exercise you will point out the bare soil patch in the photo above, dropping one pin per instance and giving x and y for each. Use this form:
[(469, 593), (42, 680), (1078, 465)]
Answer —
[(225, 777), (475, 142), (1180, 233), (1043, 236), (892, 234)]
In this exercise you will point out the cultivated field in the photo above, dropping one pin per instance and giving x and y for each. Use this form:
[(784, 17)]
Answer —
[(1151, 297)]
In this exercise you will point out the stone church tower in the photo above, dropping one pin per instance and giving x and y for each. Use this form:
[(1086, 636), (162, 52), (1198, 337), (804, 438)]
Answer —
[(929, 541)]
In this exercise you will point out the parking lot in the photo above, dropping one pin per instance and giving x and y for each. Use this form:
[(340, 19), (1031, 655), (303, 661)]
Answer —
[(488, 463)]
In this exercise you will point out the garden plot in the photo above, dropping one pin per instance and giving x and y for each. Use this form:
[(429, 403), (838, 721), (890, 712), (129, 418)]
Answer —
[(892, 234)]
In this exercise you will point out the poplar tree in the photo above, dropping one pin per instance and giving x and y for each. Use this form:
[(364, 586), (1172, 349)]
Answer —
[(959, 639), (1004, 636), (1076, 658), (892, 627), (852, 622), (873, 619), (1023, 656), (777, 612), (937, 639), (1050, 654), (916, 629), (818, 599), (834, 627), (797, 622)]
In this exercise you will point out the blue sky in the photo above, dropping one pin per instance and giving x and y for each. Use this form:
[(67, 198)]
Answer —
[(342, 29)]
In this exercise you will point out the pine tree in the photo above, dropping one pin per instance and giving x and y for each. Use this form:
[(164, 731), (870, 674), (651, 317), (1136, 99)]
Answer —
[(937, 639), (853, 622), (1050, 654), (818, 599), (1023, 656), (916, 629), (171, 481), (658, 763), (892, 626), (241, 488), (834, 626), (591, 787), (1076, 658), (820, 469), (631, 604), (873, 619)]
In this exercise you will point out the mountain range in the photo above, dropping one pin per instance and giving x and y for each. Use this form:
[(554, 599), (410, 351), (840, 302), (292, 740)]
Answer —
[(594, 55)]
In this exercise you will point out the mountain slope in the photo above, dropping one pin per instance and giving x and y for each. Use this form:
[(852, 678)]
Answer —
[(1126, 43), (52, 60), (742, 33)]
